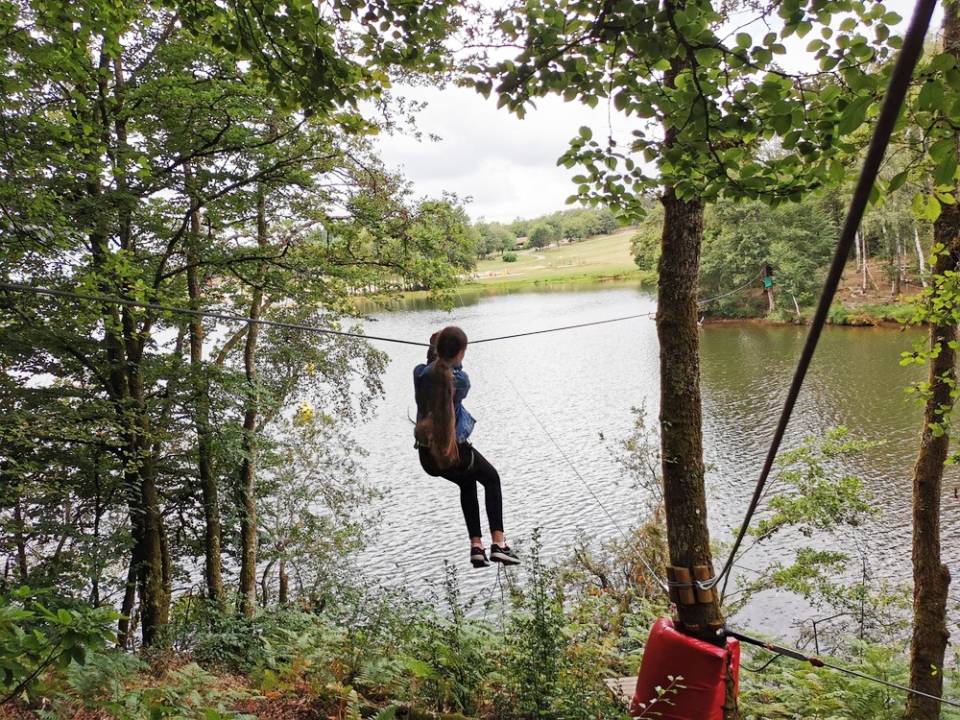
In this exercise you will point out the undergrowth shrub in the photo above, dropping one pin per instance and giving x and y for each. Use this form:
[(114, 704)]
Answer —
[(787, 690), (41, 633)]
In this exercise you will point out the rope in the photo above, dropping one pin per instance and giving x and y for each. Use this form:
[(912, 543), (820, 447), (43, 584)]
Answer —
[(779, 650), (731, 292), (576, 471), (229, 317), (564, 327), (13, 287), (705, 301), (890, 110)]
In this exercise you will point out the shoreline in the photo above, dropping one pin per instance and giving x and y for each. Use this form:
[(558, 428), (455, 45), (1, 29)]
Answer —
[(893, 315), (890, 315)]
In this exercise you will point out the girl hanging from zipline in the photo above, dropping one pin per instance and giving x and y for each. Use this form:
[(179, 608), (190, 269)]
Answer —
[(442, 436)]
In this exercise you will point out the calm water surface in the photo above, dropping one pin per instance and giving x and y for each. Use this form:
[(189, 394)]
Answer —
[(583, 383)]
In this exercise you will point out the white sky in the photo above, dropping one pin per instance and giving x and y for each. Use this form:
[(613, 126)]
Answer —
[(505, 165)]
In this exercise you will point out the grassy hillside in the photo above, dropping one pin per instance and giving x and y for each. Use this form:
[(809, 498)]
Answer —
[(600, 258)]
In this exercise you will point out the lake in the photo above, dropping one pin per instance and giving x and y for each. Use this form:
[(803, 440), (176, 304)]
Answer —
[(581, 385)]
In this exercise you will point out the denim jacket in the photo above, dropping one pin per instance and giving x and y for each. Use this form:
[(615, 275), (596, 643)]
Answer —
[(461, 386)]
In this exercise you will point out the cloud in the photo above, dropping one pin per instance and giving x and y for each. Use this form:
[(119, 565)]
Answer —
[(505, 164)]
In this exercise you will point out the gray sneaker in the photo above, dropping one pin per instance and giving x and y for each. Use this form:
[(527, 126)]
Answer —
[(503, 554), (478, 557)]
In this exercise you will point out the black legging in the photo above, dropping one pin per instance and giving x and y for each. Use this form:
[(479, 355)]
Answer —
[(473, 468)]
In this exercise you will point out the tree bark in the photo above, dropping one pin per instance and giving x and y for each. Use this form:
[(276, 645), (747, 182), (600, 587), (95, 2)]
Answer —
[(898, 270), (681, 437), (931, 578), (212, 528), (247, 479), (864, 258), (129, 600), (921, 263), (283, 595)]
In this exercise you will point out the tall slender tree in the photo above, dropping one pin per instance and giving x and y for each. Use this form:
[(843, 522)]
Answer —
[(940, 308)]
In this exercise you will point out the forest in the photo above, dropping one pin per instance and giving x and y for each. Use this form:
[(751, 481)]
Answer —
[(195, 222)]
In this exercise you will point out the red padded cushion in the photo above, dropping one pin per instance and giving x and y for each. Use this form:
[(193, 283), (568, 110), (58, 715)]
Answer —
[(702, 666)]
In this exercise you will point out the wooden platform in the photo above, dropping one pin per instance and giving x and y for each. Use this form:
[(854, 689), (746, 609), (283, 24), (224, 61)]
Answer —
[(623, 688)]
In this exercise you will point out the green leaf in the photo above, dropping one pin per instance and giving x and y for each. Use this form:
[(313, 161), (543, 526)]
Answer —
[(943, 149), (897, 181), (945, 171), (943, 62), (926, 207), (744, 40), (853, 115), (930, 96)]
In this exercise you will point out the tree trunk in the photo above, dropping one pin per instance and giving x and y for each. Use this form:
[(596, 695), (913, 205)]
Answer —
[(124, 342), (247, 479), (212, 528), (898, 270), (129, 600), (921, 263), (283, 596), (684, 495), (98, 513), (931, 578), (864, 258), (154, 580), (265, 584), (20, 539)]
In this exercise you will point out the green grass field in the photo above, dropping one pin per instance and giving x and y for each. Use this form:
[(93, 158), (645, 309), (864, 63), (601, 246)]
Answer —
[(601, 258)]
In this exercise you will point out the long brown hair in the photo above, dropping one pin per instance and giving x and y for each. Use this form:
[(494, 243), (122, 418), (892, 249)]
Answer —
[(438, 427)]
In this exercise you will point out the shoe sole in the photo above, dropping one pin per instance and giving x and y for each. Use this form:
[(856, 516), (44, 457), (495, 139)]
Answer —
[(504, 559), (480, 563)]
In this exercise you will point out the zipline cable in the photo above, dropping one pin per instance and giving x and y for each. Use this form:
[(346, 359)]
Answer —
[(14, 287), (564, 327), (229, 317), (889, 112), (815, 661), (652, 313)]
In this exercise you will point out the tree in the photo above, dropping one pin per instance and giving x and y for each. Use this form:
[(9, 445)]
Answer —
[(576, 226), (935, 163), (797, 239), (160, 145), (709, 103), (540, 235)]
